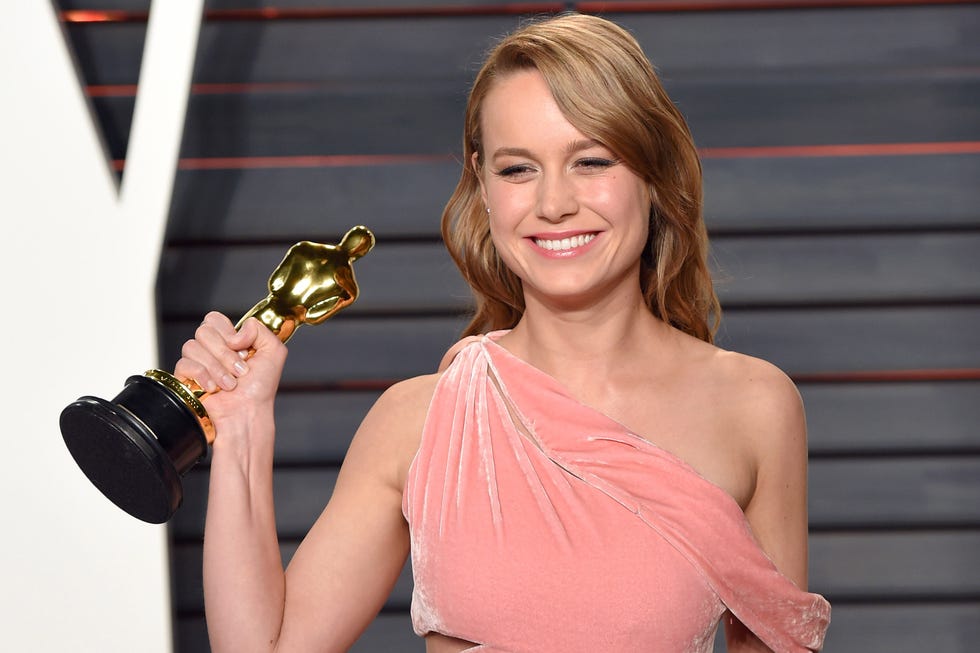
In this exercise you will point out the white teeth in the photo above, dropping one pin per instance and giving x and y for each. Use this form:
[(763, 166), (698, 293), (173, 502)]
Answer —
[(565, 243)]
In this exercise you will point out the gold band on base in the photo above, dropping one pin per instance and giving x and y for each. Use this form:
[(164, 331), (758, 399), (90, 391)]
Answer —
[(189, 398)]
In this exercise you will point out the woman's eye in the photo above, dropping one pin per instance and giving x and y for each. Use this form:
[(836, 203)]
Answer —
[(514, 171), (595, 163)]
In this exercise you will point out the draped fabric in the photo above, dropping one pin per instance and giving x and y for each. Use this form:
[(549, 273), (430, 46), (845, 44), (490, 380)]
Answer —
[(540, 524)]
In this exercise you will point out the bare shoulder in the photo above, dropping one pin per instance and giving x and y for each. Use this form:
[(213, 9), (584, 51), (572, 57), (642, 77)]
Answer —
[(401, 409), (760, 400), (749, 417), (408, 397), (749, 394), (392, 429)]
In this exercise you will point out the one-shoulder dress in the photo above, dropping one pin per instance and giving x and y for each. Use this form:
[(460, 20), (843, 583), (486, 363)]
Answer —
[(540, 524)]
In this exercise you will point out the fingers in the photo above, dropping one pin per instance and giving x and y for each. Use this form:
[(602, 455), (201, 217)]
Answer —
[(220, 324), (212, 358), (208, 367)]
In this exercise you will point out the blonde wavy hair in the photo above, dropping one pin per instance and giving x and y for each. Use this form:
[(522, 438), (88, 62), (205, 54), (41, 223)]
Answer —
[(607, 89)]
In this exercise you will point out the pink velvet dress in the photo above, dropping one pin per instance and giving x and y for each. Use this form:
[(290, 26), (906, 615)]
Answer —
[(540, 524)]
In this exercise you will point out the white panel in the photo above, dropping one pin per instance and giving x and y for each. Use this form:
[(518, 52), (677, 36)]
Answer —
[(79, 575)]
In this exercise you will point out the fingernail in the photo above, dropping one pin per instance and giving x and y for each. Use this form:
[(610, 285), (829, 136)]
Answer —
[(241, 367), (210, 386), (243, 353), (228, 382)]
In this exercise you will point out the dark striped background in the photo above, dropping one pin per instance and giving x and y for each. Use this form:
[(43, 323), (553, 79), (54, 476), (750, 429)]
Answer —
[(841, 144)]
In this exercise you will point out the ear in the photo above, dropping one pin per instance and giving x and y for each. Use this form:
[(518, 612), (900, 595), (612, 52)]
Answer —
[(478, 171)]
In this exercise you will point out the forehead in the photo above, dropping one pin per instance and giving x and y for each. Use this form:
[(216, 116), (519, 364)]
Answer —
[(520, 107)]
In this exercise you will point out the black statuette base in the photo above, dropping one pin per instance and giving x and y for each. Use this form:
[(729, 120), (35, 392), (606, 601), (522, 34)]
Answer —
[(135, 448)]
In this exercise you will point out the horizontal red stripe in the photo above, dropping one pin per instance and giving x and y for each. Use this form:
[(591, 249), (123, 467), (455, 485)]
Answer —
[(106, 16), (749, 5), (277, 13), (789, 151), (326, 161), (129, 90), (364, 385), (324, 13), (320, 13), (887, 376), (845, 150)]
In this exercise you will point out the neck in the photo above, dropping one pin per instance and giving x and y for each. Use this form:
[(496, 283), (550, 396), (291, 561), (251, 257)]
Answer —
[(586, 344)]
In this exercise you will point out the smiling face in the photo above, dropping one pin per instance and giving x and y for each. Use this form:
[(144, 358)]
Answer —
[(566, 215)]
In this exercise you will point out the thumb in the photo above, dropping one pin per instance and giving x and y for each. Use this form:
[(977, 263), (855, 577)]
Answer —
[(253, 335)]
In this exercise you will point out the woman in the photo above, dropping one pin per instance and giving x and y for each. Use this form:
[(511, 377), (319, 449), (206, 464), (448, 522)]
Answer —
[(593, 474)]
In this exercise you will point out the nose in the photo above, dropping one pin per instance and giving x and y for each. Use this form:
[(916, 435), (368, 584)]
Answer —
[(556, 197)]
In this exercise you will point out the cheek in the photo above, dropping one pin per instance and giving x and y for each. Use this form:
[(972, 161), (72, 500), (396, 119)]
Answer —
[(499, 234), (505, 244), (629, 203), (506, 212), (636, 210), (508, 201)]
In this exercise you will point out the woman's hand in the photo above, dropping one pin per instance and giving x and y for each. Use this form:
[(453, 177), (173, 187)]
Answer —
[(243, 386)]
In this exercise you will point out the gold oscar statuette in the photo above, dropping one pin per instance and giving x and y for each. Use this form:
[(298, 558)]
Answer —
[(136, 448)]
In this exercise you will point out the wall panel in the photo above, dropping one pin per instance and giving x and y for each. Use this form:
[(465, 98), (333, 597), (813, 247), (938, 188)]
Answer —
[(841, 151)]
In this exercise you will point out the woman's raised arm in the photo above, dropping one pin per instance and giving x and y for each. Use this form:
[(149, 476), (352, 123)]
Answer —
[(348, 563)]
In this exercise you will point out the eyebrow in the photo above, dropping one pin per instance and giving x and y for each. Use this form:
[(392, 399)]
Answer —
[(571, 148)]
